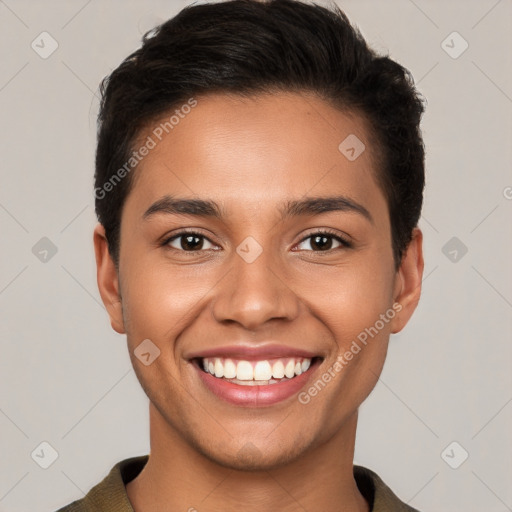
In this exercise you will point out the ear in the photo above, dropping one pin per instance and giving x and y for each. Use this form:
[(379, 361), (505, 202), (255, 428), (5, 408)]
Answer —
[(408, 282), (108, 280)]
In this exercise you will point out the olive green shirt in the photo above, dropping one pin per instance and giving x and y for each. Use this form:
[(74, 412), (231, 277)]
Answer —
[(110, 494)]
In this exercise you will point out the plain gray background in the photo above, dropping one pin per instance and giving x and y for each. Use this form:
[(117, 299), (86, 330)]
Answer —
[(65, 376)]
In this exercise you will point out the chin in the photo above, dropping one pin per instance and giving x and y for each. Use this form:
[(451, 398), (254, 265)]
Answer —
[(250, 458)]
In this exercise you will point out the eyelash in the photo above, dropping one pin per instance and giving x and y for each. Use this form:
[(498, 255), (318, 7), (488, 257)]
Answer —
[(345, 244)]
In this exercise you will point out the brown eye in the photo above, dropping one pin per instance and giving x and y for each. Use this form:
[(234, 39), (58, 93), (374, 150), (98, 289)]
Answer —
[(323, 242), (189, 242)]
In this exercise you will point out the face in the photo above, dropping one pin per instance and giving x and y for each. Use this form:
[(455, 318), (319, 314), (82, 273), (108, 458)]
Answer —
[(281, 265)]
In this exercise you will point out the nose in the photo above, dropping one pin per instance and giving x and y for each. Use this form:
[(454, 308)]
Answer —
[(255, 293)]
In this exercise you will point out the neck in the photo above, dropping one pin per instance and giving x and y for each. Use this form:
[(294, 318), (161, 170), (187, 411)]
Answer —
[(179, 477)]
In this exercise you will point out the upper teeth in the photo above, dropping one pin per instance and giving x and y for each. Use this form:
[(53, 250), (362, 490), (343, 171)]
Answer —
[(256, 370)]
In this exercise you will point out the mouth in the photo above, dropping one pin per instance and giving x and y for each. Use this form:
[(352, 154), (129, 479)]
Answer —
[(255, 382)]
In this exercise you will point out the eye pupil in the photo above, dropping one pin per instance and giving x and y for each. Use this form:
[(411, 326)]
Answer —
[(187, 242), (320, 242)]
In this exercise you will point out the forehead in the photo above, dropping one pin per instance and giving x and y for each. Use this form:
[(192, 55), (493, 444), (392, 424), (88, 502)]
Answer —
[(256, 150)]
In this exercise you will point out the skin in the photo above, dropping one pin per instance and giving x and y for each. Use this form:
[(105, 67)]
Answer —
[(250, 155)]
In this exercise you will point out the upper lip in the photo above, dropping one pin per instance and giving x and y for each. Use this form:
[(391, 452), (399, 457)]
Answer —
[(252, 353)]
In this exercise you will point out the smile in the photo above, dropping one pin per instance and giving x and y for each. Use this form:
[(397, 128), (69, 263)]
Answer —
[(254, 373), (255, 383)]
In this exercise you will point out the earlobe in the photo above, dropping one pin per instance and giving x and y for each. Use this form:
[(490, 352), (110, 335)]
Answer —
[(108, 280), (408, 281)]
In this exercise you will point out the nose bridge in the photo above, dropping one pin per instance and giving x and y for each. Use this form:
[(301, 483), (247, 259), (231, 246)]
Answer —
[(254, 291)]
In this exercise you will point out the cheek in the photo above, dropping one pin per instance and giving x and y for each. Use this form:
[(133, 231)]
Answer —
[(158, 302), (357, 311), (349, 299)]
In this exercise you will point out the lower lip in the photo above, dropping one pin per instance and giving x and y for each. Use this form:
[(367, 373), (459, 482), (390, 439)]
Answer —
[(255, 396)]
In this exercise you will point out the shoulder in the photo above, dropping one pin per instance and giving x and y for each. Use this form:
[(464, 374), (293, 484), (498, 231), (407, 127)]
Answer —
[(110, 493), (377, 493)]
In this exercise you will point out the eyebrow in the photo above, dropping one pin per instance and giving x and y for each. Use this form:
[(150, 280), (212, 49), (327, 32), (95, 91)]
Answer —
[(306, 206)]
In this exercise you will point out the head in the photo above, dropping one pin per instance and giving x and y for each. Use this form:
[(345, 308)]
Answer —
[(258, 114)]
